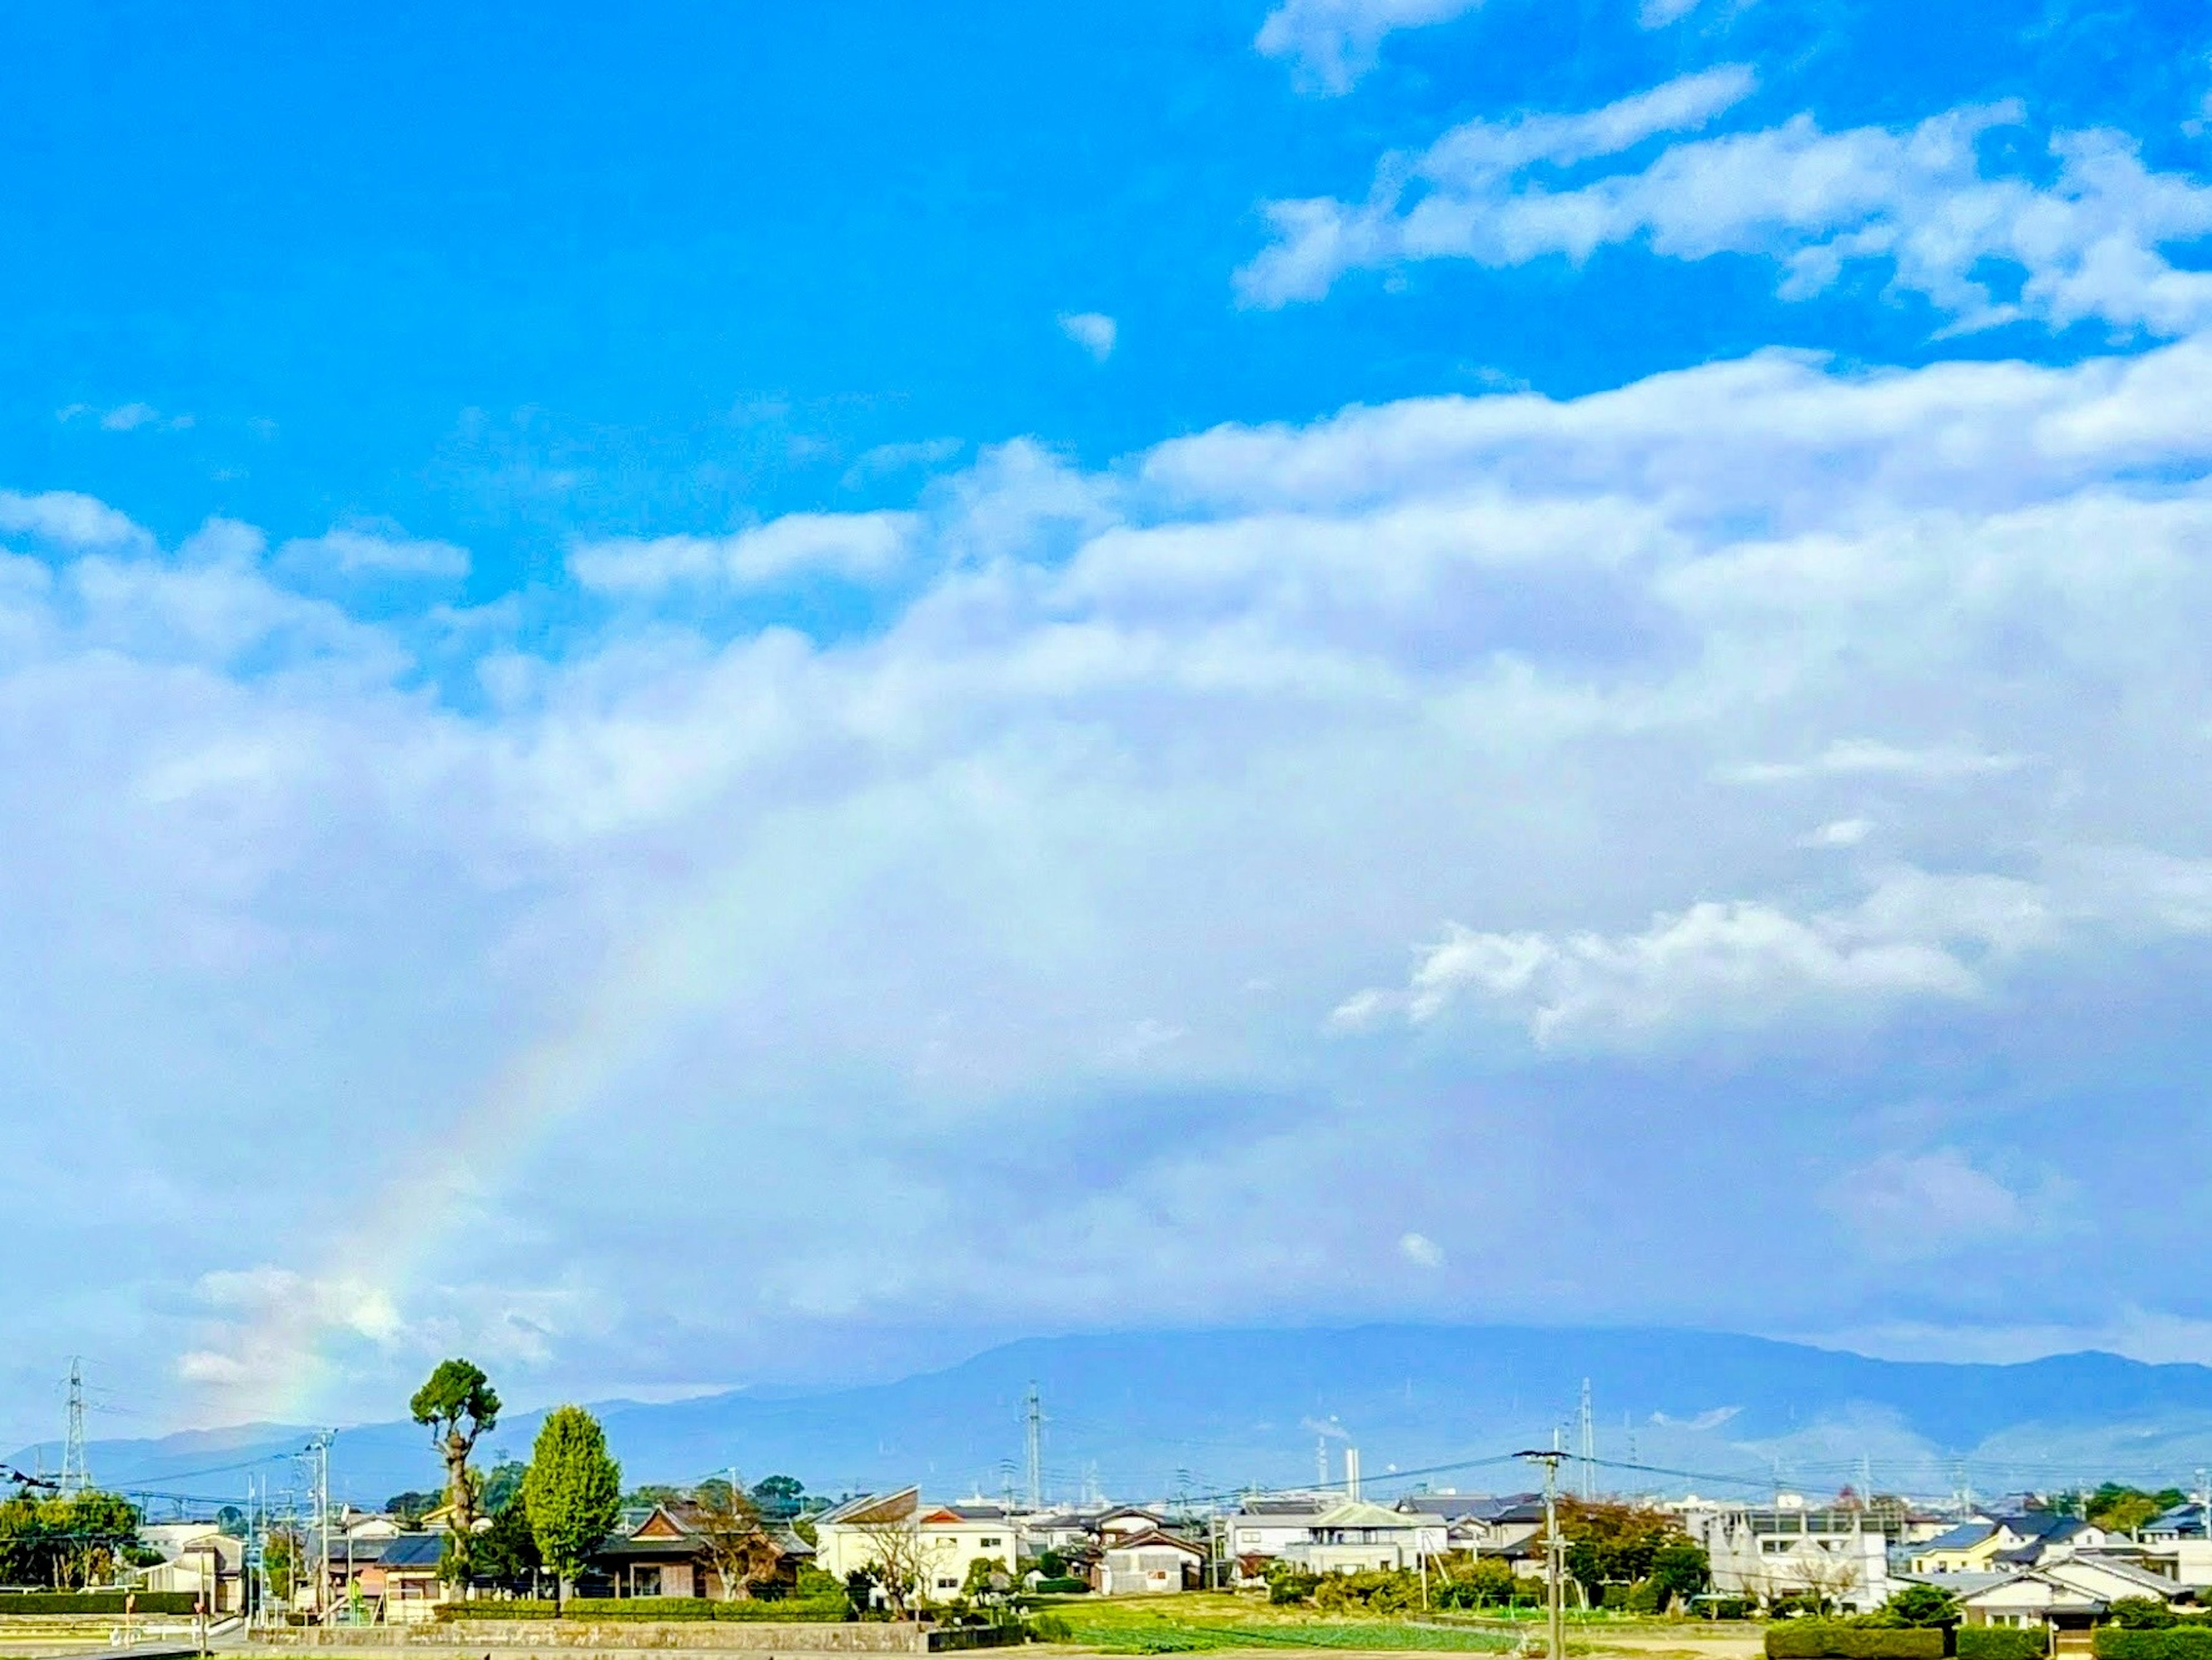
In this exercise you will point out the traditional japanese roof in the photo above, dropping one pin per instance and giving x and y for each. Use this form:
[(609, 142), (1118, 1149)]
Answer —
[(1153, 1539)]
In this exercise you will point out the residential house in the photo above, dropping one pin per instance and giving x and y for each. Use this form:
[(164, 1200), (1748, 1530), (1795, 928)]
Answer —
[(402, 1581), (662, 1550), (1839, 1554), (2028, 1538), (1126, 1522), (1355, 1535), (197, 1560), (1261, 1529), (1150, 1562), (1972, 1547), (2068, 1595), (946, 1539), (1059, 1530), (2175, 1546), (1483, 1524)]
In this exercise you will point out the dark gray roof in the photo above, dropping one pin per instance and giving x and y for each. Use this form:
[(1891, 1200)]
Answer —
[(413, 1550), (1282, 1507)]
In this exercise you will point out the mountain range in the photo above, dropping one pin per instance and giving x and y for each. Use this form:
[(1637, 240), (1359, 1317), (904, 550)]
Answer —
[(1156, 1415)]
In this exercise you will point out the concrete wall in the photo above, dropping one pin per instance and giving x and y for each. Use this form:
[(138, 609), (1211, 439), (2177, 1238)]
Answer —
[(575, 1639)]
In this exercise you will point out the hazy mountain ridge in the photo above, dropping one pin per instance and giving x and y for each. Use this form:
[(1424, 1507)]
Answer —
[(1152, 1412)]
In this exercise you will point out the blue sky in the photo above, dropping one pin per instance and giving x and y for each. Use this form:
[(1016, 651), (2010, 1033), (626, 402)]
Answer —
[(1022, 672)]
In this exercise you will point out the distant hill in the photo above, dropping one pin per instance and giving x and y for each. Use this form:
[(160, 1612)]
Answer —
[(1151, 1413)]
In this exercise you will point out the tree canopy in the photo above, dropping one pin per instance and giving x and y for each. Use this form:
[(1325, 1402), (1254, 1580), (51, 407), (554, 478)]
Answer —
[(67, 1542), (573, 1489), (457, 1404), (1610, 1543)]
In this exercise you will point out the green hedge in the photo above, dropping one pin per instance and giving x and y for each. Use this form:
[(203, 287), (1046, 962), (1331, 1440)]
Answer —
[(94, 1602), (2174, 1643), (2002, 1643), (794, 1610), (521, 1608), (1066, 1585), (1826, 1639)]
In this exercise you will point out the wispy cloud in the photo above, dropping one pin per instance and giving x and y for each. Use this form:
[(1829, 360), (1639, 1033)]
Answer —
[(855, 545), (383, 550), (124, 417), (1094, 332), (2090, 244), (1332, 43)]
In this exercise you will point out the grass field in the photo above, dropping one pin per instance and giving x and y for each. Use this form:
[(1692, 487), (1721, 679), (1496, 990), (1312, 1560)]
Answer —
[(1211, 1621), (1203, 1621)]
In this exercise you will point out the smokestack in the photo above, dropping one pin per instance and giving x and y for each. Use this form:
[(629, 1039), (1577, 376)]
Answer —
[(1352, 1472)]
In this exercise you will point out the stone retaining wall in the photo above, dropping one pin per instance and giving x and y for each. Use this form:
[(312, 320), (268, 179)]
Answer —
[(591, 1639)]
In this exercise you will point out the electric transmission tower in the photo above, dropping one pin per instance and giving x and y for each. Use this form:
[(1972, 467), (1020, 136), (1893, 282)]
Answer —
[(1589, 1445), (75, 1477), (1033, 1445)]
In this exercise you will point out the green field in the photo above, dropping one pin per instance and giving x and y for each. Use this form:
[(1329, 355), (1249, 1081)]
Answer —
[(1202, 1621)]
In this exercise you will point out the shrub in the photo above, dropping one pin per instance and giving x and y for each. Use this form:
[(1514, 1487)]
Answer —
[(2002, 1643), (1828, 1639), (2142, 1613), (2177, 1642), (1064, 1584), (1050, 1628), (94, 1602)]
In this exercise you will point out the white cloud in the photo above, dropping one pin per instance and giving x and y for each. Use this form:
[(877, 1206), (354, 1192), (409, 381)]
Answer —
[(67, 520), (959, 913), (1333, 42), (1744, 963), (860, 546), (1657, 14), (1841, 833), (381, 550), (1852, 757), (2088, 247), (1421, 1250), (885, 459), (125, 417), (1914, 1206), (1093, 330)]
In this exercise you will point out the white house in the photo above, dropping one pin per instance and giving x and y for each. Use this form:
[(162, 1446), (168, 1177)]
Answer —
[(945, 1540), (2067, 1593), (1261, 1530), (1355, 1535)]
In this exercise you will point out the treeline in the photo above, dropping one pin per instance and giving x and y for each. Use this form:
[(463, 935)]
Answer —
[(69, 1542), (1616, 1555)]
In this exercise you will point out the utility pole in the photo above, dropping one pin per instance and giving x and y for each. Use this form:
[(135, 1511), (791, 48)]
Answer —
[(76, 1477), (1555, 1621), (1033, 1445), (1321, 1462), (321, 1448)]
